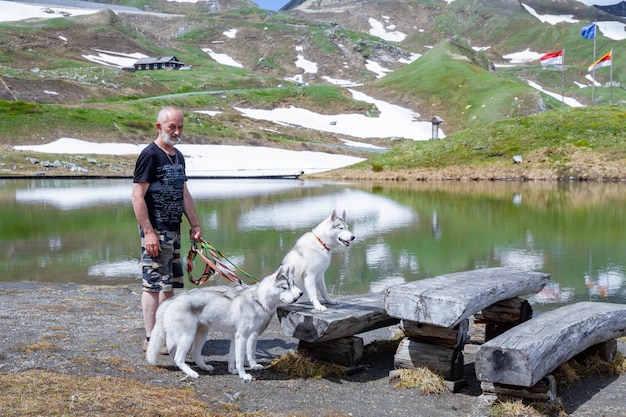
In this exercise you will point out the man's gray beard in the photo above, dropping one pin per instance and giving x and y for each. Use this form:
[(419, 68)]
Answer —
[(168, 139)]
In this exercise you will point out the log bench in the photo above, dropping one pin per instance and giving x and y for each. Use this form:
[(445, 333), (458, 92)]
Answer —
[(523, 356), (434, 314), (330, 335), (447, 300)]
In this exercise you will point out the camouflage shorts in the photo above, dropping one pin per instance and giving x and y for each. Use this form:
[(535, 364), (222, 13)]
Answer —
[(165, 271)]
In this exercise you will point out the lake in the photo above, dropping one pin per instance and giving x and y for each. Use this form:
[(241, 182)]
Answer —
[(84, 231)]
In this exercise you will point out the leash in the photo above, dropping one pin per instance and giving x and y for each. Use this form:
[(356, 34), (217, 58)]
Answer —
[(217, 265)]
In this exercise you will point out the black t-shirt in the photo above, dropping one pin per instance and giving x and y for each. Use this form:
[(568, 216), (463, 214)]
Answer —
[(164, 197)]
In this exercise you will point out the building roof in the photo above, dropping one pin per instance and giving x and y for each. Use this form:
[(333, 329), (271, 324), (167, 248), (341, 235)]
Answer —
[(158, 60)]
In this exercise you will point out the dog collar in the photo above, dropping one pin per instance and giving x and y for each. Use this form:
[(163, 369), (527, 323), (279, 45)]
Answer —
[(321, 243)]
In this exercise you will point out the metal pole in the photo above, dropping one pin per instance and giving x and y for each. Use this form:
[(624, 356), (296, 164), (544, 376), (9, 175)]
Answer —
[(593, 70), (611, 80), (562, 76)]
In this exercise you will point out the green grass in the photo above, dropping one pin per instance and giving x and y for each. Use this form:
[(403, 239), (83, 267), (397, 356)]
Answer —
[(598, 129), (484, 112), (451, 80)]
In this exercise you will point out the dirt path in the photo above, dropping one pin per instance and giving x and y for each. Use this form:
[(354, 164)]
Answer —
[(97, 331)]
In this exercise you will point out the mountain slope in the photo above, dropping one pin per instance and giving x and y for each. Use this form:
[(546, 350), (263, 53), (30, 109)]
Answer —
[(440, 58)]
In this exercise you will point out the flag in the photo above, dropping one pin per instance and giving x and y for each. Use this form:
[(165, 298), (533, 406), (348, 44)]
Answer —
[(589, 32), (605, 61), (553, 58)]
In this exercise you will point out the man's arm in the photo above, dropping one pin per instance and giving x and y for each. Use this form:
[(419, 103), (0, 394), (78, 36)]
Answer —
[(151, 240), (189, 208)]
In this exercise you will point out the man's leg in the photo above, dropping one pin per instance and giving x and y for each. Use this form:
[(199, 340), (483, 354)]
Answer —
[(150, 302), (149, 306), (157, 282)]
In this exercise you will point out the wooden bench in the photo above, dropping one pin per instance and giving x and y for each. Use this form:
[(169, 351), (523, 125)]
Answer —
[(447, 300), (329, 334), (526, 354), (434, 314)]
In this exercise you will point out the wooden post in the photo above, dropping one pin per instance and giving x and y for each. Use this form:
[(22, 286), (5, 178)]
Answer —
[(439, 349), (511, 311), (412, 354), (346, 351), (544, 390), (499, 317), (453, 337)]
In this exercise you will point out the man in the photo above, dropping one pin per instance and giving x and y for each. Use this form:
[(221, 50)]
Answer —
[(160, 197)]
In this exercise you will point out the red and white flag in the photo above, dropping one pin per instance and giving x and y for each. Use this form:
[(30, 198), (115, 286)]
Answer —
[(553, 58), (605, 61)]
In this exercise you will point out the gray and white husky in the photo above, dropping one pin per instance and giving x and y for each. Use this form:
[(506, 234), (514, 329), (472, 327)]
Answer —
[(183, 322), (310, 256)]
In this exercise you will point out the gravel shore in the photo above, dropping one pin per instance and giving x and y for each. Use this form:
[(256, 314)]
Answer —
[(89, 330)]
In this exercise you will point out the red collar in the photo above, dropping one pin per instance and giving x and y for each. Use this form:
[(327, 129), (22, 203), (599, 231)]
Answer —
[(321, 243)]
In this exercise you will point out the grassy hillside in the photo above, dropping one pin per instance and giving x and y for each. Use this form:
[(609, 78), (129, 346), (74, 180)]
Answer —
[(50, 90), (582, 143), (453, 82), (133, 120)]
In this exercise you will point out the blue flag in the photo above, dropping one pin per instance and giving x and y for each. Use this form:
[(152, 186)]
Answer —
[(589, 32)]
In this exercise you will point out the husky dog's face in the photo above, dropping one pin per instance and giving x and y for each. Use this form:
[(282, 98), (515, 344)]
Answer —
[(344, 236), (286, 284)]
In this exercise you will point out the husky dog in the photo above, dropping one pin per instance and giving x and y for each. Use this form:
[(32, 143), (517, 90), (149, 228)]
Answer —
[(183, 322), (310, 256)]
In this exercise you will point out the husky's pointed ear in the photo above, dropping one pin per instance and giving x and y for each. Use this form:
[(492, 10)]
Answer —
[(333, 215), (344, 216), (279, 272)]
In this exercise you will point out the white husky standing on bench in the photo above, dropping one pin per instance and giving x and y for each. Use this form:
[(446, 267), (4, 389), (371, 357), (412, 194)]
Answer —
[(310, 256), (183, 322)]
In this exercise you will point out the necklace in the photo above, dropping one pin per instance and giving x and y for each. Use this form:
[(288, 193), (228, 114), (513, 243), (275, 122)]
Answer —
[(173, 162), (170, 158)]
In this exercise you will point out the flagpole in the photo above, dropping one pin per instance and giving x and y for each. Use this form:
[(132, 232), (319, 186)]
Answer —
[(593, 71), (562, 76), (611, 79)]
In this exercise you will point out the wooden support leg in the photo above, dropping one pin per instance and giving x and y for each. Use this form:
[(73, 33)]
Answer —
[(346, 351), (544, 390), (448, 362), (453, 337), (499, 317), (605, 351)]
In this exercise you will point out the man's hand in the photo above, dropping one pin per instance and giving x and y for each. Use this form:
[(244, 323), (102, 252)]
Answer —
[(151, 243), (196, 233)]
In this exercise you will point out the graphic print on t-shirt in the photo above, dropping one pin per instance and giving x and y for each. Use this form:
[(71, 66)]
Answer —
[(167, 196)]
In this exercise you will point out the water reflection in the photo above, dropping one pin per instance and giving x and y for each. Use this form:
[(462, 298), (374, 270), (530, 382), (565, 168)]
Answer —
[(552, 293), (84, 231), (73, 194), (367, 214), (610, 281)]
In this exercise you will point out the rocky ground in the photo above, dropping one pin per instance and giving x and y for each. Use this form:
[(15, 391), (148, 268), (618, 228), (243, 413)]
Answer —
[(95, 331)]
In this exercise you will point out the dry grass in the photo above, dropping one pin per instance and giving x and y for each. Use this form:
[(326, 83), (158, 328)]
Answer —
[(295, 365), (423, 379), (514, 408), (517, 407), (44, 393), (573, 370), (567, 374), (43, 345)]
